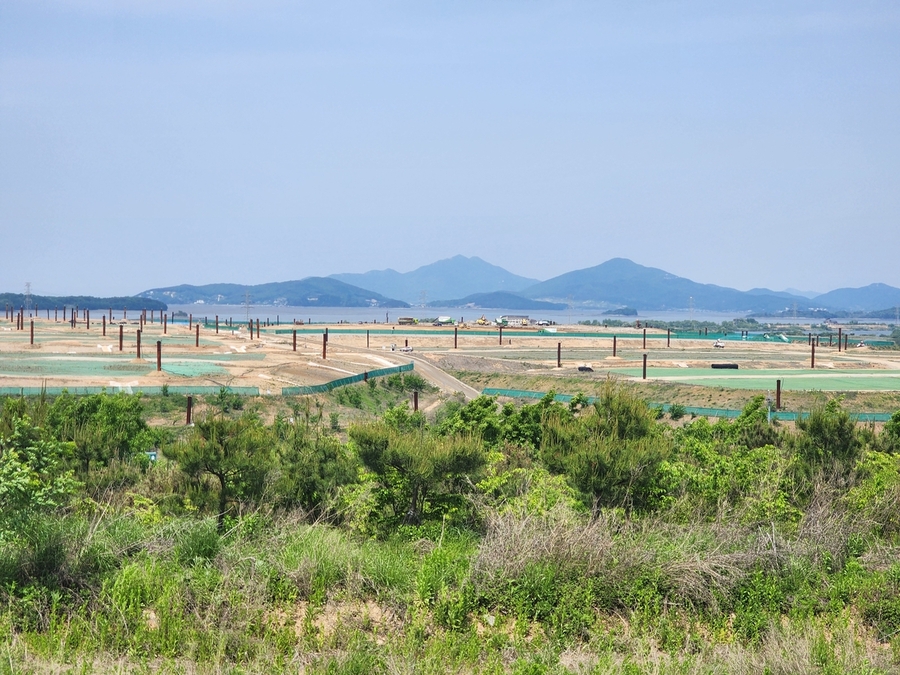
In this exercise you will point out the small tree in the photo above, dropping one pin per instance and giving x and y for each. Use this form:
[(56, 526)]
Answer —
[(236, 452), (424, 464), (829, 438), (33, 473), (311, 466), (104, 427), (610, 453)]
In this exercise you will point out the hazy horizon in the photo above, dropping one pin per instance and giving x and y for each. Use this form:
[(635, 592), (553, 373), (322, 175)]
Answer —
[(155, 143)]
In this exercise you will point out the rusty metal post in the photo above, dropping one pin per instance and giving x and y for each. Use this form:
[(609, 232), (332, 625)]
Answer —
[(32, 331), (56, 314), (614, 345), (846, 340), (197, 338), (839, 337), (217, 324), (406, 342), (367, 338), (295, 338), (159, 356), (87, 318), (455, 337), (415, 401), (777, 394), (501, 335), (250, 324), (645, 338), (121, 328), (139, 343), (645, 368), (559, 354), (104, 325), (668, 337), (124, 314), (165, 324), (812, 358), (366, 376), (324, 345), (326, 333), (257, 329), (190, 409), (706, 331), (110, 314)]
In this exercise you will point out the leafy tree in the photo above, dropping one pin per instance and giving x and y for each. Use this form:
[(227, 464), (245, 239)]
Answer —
[(236, 452), (828, 438), (103, 427), (33, 473), (311, 466), (610, 453), (417, 464), (890, 435), (478, 417)]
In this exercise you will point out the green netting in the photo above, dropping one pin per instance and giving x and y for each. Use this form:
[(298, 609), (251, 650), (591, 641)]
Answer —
[(187, 368), (543, 333), (824, 379), (150, 391), (352, 379), (689, 410)]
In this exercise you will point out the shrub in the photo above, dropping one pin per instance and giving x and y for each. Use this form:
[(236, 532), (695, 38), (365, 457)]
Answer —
[(197, 542)]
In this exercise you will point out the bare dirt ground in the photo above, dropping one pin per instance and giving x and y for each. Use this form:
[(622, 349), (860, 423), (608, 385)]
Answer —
[(525, 359)]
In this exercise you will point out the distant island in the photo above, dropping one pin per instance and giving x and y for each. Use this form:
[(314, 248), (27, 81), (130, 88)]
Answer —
[(308, 292), (44, 302), (498, 300)]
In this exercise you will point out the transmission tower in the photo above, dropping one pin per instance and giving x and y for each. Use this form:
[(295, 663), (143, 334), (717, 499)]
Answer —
[(247, 304), (28, 296)]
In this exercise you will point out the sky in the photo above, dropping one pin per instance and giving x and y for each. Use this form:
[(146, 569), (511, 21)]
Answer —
[(157, 142)]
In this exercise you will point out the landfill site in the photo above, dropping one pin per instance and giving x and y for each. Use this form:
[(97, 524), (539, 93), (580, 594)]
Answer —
[(141, 353)]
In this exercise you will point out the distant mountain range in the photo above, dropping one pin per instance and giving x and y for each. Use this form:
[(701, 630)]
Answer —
[(308, 292), (621, 282), (866, 299), (472, 282), (454, 277)]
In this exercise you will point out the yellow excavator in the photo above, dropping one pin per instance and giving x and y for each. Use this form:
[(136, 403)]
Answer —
[(482, 321)]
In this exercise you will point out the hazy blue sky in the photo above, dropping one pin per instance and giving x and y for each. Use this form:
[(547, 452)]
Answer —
[(156, 142)]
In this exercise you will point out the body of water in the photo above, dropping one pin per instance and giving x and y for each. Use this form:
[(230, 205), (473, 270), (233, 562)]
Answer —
[(356, 315)]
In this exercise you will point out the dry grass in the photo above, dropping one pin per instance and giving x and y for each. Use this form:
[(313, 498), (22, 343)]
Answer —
[(693, 564)]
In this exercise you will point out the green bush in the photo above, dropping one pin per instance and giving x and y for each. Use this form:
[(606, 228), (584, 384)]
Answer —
[(198, 542)]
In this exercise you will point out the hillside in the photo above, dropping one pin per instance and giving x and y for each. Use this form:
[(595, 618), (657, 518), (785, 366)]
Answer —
[(498, 300), (866, 299), (454, 277), (619, 282), (309, 292), (552, 537)]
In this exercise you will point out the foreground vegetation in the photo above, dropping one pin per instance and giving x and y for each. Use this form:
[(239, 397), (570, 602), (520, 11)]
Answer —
[(539, 538)]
